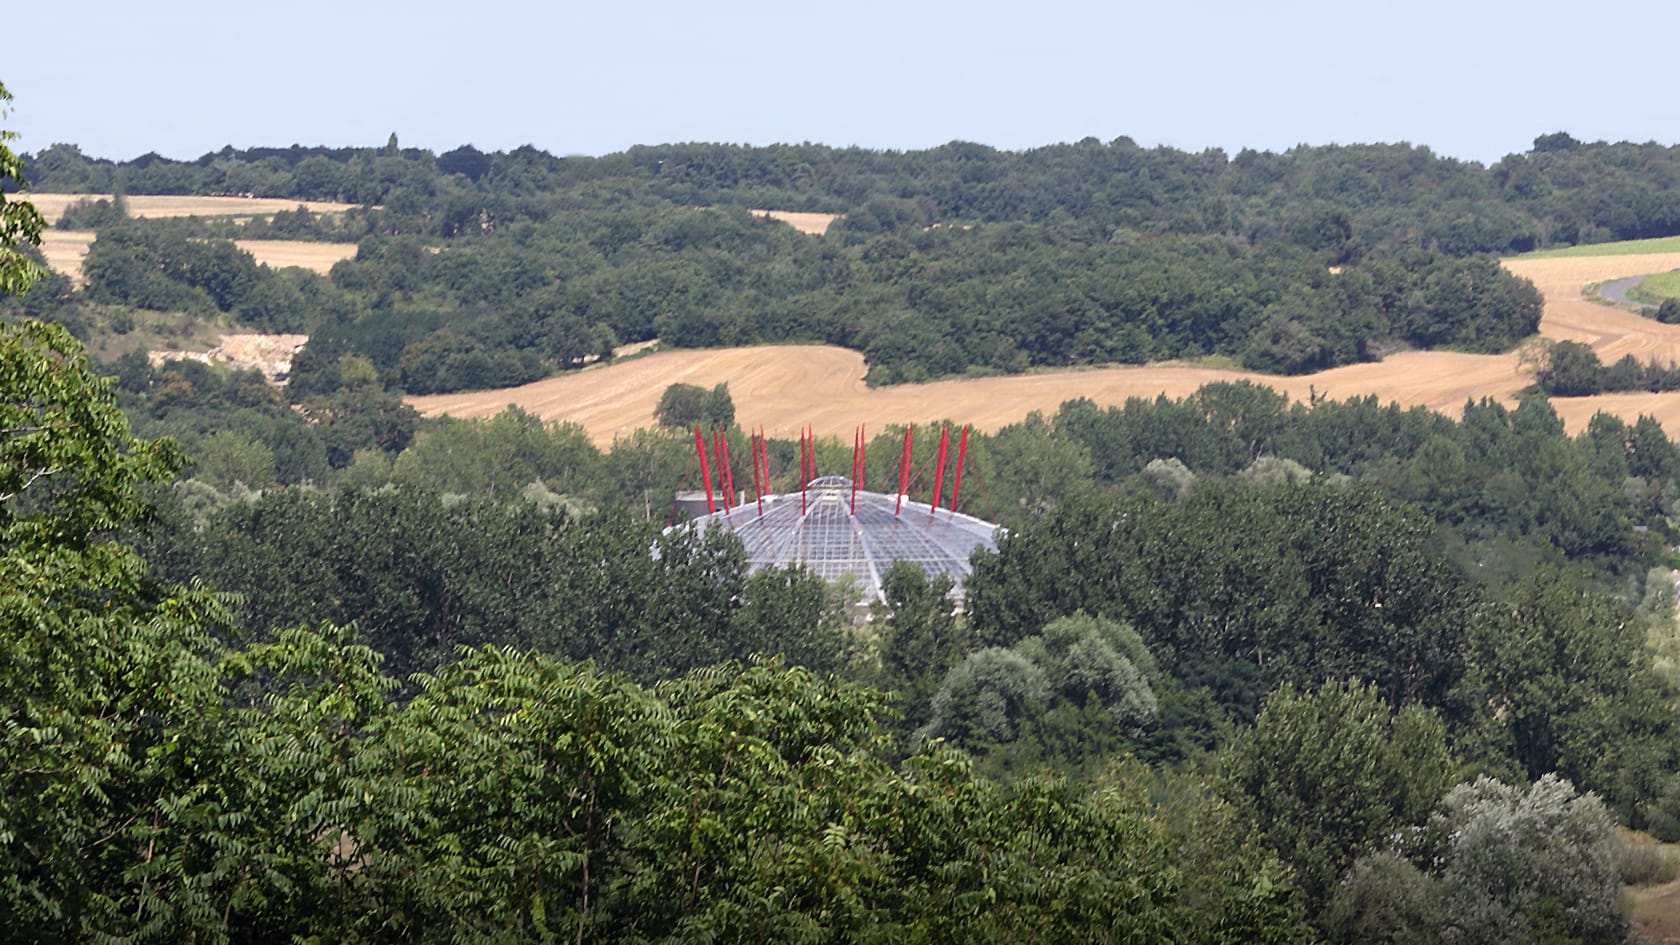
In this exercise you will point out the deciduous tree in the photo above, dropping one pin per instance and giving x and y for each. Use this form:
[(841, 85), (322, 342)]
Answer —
[(1333, 774), (20, 222)]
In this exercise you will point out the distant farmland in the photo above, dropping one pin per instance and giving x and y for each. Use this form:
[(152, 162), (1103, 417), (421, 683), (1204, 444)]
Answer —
[(52, 206), (316, 257), (784, 387), (65, 249), (814, 223)]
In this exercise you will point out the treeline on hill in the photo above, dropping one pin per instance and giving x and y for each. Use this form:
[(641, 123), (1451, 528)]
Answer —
[(1572, 369), (538, 297), (478, 270), (1216, 698), (1338, 199), (1242, 670)]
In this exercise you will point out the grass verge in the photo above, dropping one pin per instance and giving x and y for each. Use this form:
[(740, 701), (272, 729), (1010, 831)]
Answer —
[(1663, 285), (1662, 244)]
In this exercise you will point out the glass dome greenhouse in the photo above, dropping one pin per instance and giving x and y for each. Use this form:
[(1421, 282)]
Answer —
[(837, 531)]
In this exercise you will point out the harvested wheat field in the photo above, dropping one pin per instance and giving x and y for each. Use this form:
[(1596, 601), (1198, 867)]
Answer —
[(65, 249), (316, 257), (143, 205), (815, 224), (783, 387)]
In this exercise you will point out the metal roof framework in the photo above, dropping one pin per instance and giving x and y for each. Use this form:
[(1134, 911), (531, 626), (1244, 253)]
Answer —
[(836, 531)]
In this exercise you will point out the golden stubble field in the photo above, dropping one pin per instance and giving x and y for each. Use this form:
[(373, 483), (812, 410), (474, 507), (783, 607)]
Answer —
[(65, 249), (141, 205), (815, 224), (316, 257), (782, 387)]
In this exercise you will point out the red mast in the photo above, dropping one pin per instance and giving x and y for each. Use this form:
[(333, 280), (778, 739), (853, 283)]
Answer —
[(939, 474), (705, 470), (962, 452), (903, 470), (722, 466), (728, 464), (764, 460), (758, 482), (857, 464)]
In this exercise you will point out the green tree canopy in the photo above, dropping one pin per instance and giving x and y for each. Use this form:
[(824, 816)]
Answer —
[(1571, 369), (685, 405), (1333, 774), (20, 222)]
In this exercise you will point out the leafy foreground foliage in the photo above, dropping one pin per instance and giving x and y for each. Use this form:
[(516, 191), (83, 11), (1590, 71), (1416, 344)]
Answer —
[(163, 784), (1350, 794), (19, 221), (1495, 864), (159, 785)]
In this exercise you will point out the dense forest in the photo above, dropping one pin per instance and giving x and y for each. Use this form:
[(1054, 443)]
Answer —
[(1342, 200), (1239, 700), (478, 270), (292, 664)]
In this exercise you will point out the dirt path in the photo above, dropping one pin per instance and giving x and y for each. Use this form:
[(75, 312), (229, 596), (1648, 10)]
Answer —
[(781, 387), (1657, 910)]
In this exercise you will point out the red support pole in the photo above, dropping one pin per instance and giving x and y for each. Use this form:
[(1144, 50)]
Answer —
[(903, 470), (939, 469), (857, 465), (728, 467), (705, 471), (857, 444), (758, 483), (764, 457), (962, 453), (717, 458)]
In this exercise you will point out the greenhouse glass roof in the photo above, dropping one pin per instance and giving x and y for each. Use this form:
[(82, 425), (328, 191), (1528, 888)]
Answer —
[(824, 534)]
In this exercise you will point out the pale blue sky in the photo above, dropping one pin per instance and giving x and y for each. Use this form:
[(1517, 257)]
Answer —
[(1470, 79)]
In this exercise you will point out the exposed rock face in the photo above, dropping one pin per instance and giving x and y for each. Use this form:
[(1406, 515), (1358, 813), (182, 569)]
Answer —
[(270, 354)]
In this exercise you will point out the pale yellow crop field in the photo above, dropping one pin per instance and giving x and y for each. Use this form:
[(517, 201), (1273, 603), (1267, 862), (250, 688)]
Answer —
[(782, 388), (141, 205), (814, 223), (65, 249), (316, 257)]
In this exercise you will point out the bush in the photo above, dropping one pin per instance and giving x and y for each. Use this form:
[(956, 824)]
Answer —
[(1642, 861), (1385, 900), (684, 405), (89, 214), (1523, 861), (1662, 815), (1572, 370)]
